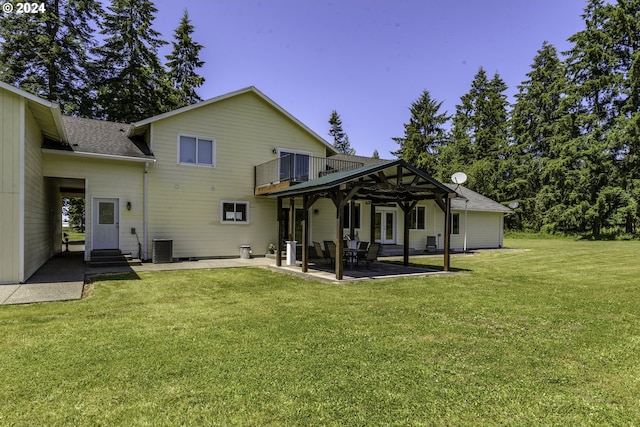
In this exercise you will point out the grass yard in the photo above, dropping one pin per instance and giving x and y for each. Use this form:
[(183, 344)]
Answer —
[(548, 334)]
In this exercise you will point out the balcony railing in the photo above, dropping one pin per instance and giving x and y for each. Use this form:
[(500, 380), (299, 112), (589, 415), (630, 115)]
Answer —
[(296, 168)]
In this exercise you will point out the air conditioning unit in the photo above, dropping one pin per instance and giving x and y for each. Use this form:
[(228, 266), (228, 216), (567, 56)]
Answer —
[(162, 251)]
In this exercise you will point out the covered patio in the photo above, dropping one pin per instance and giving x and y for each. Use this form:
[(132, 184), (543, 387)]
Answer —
[(394, 182)]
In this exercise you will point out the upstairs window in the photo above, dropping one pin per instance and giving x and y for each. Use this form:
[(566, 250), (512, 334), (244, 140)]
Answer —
[(196, 150)]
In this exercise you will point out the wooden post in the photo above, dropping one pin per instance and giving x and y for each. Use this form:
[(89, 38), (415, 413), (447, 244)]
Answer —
[(405, 210), (352, 219), (292, 218), (447, 233), (279, 242), (339, 236), (305, 234), (372, 225)]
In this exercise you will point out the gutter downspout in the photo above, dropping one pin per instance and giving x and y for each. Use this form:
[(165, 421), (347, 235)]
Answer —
[(145, 210)]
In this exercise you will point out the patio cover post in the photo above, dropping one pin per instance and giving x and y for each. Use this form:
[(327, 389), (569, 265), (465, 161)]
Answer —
[(407, 207), (339, 202), (279, 241), (292, 219), (305, 233)]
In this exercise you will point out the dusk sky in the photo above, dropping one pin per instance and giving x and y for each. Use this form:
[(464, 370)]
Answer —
[(368, 60)]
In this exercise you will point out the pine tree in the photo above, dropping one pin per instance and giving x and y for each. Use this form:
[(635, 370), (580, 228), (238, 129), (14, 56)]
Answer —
[(424, 134), (183, 62), (340, 139), (132, 84), (46, 53), (375, 154)]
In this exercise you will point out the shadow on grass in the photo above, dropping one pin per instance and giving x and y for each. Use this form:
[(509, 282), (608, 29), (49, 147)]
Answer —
[(427, 266), (104, 277)]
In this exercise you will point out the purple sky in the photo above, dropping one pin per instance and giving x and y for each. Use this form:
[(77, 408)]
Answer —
[(369, 60)]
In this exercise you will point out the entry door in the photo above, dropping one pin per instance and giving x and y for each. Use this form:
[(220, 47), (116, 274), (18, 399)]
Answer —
[(105, 223), (385, 227)]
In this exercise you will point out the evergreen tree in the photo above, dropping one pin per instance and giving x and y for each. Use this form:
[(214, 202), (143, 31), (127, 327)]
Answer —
[(183, 62), (132, 84), (375, 155), (480, 139), (424, 134), (46, 53), (601, 66), (540, 132), (340, 139)]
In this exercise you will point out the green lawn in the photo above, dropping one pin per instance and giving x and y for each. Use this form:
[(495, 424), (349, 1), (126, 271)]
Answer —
[(545, 334)]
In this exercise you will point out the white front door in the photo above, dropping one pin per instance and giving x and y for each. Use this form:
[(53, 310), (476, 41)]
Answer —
[(105, 223), (385, 226)]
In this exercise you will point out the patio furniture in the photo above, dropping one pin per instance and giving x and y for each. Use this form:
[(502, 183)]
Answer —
[(352, 255), (331, 249), (372, 253), (322, 253), (431, 243), (362, 253)]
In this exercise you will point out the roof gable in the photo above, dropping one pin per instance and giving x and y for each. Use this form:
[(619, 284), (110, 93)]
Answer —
[(140, 126), (46, 113)]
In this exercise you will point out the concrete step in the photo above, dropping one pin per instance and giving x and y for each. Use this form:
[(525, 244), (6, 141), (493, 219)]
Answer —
[(111, 258), (395, 250)]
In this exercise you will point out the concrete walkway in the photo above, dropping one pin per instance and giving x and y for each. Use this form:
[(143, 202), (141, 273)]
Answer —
[(59, 279)]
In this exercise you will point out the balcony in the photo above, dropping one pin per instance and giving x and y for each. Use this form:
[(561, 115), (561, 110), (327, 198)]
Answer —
[(292, 169)]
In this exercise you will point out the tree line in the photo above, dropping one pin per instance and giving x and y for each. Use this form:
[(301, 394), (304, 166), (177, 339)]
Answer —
[(99, 63), (567, 150)]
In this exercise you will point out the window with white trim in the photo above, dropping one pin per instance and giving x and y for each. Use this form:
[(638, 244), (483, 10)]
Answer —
[(196, 150), (232, 212), (417, 218)]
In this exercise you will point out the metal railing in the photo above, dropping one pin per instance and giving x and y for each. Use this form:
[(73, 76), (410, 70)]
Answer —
[(296, 168)]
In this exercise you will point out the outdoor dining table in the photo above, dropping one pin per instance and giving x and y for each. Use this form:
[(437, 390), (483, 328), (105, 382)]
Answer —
[(351, 254)]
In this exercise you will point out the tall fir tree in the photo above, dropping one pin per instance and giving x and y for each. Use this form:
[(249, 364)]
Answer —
[(132, 83), (183, 62), (541, 130), (479, 142), (599, 64), (47, 53), (424, 134), (340, 138)]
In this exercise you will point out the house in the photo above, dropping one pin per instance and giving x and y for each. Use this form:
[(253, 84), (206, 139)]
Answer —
[(202, 177)]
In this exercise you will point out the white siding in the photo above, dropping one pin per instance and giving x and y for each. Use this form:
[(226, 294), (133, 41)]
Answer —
[(184, 200), (37, 222), (105, 178), (9, 187)]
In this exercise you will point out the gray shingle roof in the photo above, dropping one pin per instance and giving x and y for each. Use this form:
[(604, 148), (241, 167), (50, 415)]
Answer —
[(102, 137), (477, 202)]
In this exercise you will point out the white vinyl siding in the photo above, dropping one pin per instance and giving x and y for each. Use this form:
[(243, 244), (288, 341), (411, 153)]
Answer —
[(184, 202), (9, 187)]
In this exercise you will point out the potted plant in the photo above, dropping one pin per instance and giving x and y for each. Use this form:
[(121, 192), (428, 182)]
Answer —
[(272, 248)]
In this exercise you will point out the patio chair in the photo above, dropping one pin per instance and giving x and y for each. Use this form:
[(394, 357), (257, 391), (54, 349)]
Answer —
[(322, 253), (331, 249), (372, 253), (362, 246)]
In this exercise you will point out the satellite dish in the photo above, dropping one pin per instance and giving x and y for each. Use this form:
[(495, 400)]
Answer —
[(459, 178), (514, 205)]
